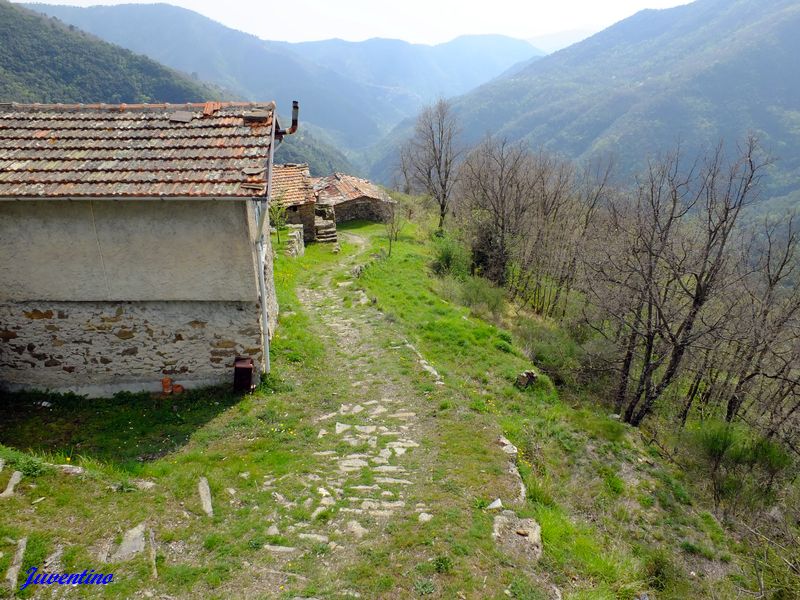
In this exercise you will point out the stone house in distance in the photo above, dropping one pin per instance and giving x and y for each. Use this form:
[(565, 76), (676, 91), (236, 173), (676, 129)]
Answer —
[(132, 244), (352, 198)]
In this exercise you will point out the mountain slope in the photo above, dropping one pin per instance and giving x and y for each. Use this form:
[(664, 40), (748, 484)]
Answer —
[(44, 61), (356, 92), (696, 73)]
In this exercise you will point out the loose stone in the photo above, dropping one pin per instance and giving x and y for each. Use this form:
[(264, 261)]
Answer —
[(356, 529), (205, 496), (352, 464), (16, 563), (132, 544), (314, 537), (16, 477), (279, 549)]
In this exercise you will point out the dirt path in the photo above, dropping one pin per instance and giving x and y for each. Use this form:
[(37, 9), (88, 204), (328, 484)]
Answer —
[(375, 448)]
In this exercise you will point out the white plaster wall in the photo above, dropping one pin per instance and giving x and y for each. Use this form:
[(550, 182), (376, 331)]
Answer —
[(127, 250)]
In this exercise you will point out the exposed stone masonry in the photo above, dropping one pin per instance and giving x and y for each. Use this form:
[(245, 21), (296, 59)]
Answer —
[(99, 348), (368, 209)]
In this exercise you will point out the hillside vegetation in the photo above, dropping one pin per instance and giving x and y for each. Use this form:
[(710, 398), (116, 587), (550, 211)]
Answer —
[(42, 60)]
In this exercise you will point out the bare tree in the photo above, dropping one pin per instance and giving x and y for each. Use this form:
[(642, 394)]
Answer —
[(394, 218), (658, 284), (429, 158), (495, 194)]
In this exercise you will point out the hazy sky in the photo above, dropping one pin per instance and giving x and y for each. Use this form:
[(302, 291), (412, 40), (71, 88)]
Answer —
[(423, 21)]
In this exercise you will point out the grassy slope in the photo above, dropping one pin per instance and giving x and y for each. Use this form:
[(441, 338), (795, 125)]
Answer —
[(608, 507), (609, 510)]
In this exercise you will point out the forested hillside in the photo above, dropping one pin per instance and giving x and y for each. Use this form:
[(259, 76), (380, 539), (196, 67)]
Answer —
[(42, 60), (695, 74)]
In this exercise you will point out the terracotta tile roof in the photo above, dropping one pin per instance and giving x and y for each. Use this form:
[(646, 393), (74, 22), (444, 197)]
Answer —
[(142, 150), (292, 185), (341, 187)]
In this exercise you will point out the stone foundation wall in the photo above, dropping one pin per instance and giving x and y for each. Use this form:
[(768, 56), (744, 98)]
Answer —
[(303, 215), (272, 298), (100, 348), (294, 241), (367, 209)]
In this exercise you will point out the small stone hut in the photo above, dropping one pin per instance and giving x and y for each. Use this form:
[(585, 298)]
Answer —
[(352, 198), (132, 244), (292, 187)]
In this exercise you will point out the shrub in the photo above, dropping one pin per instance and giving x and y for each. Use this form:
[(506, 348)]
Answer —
[(659, 570), (552, 350), (481, 296), (743, 466), (29, 465), (443, 564), (614, 484), (450, 258), (772, 458)]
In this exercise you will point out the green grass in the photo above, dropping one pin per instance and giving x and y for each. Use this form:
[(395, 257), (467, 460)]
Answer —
[(589, 482), (125, 430)]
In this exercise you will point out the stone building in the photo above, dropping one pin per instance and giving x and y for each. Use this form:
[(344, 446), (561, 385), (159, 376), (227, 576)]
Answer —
[(131, 244), (292, 187), (352, 198)]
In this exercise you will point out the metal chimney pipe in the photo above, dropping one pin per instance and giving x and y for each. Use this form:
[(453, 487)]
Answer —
[(295, 119)]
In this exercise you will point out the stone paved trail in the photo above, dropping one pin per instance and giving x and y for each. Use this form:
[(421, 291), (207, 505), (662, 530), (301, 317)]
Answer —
[(370, 446)]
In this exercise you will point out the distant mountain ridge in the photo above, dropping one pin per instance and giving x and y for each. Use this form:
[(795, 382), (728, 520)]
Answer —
[(355, 91), (43, 60)]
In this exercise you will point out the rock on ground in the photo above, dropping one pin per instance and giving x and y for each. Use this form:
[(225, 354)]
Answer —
[(205, 496), (16, 477), (356, 529), (16, 564), (518, 538), (132, 544)]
